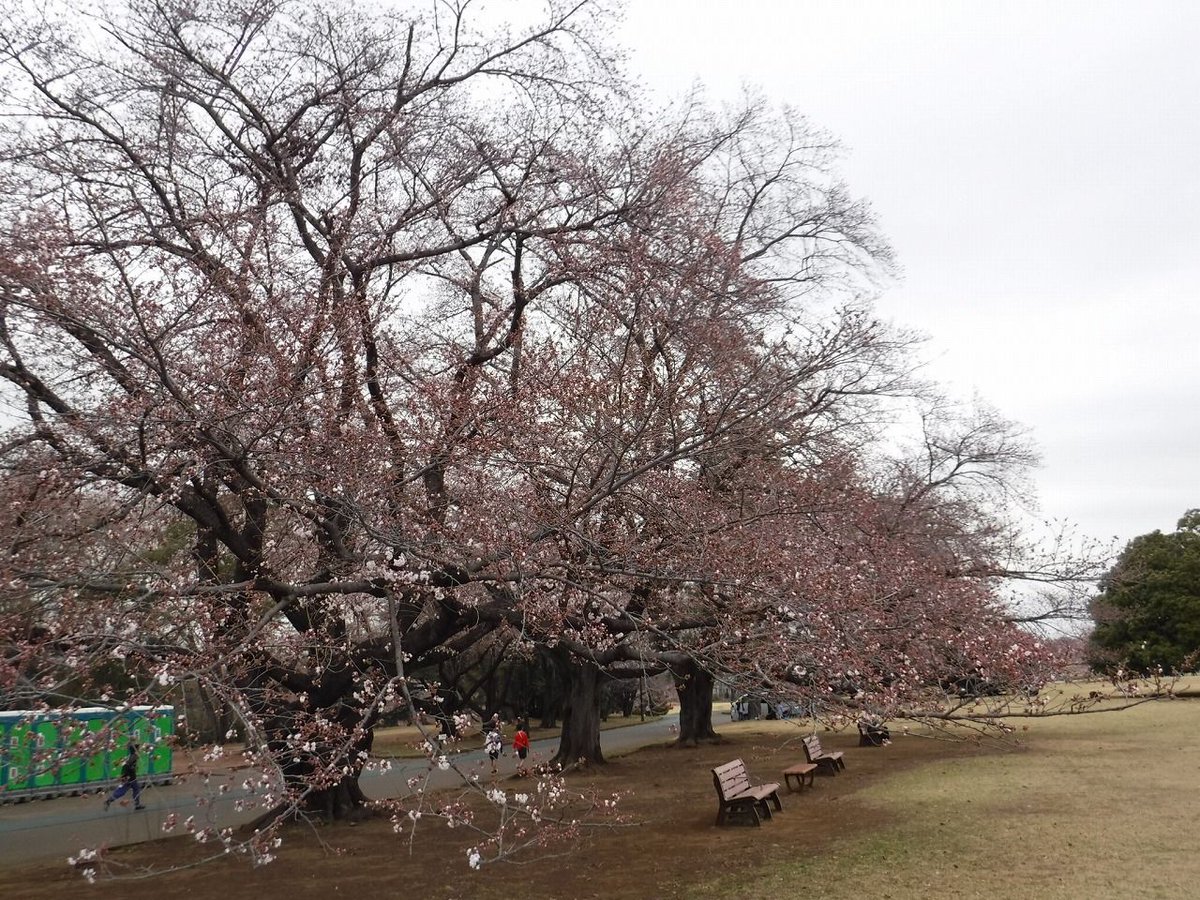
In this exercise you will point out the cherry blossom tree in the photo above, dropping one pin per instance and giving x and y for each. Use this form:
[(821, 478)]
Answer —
[(249, 285), (338, 344)]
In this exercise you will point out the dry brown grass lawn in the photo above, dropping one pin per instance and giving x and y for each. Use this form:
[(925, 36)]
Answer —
[(1095, 806), (1092, 806)]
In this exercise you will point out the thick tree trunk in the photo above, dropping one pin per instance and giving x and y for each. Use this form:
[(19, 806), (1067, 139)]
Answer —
[(320, 765), (342, 799), (695, 688), (447, 706), (580, 742), (551, 686)]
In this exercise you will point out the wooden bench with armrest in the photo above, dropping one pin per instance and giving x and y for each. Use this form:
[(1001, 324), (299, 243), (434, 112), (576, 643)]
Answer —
[(815, 754), (873, 735), (738, 797)]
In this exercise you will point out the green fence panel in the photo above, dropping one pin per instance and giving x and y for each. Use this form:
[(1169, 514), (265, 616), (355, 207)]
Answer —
[(71, 773), (45, 754), (45, 749), (95, 768), (118, 742), (161, 756), (19, 752), (143, 731)]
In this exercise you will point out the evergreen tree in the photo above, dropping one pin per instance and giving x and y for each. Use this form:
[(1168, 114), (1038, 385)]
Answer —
[(1148, 612)]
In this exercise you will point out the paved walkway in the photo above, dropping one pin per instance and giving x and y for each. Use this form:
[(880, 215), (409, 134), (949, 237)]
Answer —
[(44, 829)]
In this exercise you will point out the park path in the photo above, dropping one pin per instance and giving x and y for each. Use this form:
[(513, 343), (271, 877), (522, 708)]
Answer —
[(44, 829)]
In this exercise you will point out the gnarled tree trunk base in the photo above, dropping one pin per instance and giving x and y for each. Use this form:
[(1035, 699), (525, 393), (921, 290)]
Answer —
[(694, 686), (580, 741), (343, 802)]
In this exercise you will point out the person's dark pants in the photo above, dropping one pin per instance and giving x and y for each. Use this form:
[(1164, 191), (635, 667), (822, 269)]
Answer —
[(123, 788)]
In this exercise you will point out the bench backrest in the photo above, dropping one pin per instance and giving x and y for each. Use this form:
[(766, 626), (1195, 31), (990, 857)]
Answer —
[(812, 747), (731, 779)]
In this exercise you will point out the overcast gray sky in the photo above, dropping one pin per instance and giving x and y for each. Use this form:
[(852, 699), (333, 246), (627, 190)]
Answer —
[(1037, 167)]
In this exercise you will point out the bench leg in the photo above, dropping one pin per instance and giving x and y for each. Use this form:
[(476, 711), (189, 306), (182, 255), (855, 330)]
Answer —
[(775, 800), (728, 811), (802, 778)]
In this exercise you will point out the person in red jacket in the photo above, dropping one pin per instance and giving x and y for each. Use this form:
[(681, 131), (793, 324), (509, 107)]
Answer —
[(521, 746)]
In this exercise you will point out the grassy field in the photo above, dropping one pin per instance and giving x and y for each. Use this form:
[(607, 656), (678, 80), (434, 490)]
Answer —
[(1089, 806)]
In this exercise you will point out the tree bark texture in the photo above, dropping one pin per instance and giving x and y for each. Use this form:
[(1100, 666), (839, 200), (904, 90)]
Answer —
[(580, 742), (695, 688)]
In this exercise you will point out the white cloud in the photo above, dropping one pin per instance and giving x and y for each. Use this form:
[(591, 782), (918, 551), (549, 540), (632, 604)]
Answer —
[(1035, 166)]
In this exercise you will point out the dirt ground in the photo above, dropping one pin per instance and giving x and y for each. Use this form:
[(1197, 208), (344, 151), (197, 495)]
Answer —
[(667, 842)]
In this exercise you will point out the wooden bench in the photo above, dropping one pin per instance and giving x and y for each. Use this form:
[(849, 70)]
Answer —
[(738, 797), (817, 756), (872, 735), (801, 772)]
